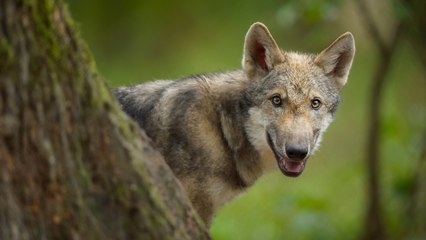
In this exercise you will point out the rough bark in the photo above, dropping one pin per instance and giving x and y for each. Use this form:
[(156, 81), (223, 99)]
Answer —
[(73, 166)]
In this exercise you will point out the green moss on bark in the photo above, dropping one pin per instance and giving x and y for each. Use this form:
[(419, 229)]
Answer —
[(6, 52)]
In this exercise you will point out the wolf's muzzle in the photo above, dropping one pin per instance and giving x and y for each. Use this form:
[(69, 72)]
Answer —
[(290, 166)]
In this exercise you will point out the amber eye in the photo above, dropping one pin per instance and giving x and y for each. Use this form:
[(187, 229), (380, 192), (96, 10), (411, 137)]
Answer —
[(276, 100), (316, 103)]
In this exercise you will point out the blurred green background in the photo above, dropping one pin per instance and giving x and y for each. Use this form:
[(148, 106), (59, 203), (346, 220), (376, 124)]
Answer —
[(136, 41)]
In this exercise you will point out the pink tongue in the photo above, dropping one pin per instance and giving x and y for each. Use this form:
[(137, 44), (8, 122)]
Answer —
[(292, 166)]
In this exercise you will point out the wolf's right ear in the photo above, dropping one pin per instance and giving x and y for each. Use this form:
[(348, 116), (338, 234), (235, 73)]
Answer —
[(261, 52), (336, 59)]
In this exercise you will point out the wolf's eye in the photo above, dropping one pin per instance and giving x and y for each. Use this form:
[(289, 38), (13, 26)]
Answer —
[(276, 100), (316, 103)]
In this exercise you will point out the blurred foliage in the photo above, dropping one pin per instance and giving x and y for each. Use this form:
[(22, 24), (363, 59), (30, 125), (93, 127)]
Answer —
[(135, 41), (307, 13)]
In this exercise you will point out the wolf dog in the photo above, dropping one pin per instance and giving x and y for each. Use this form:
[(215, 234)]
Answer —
[(219, 132)]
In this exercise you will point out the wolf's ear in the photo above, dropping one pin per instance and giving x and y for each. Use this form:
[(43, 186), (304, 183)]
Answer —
[(336, 60), (261, 52)]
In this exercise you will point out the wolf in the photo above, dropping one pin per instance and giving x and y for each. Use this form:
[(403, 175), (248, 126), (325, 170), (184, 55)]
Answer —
[(219, 132)]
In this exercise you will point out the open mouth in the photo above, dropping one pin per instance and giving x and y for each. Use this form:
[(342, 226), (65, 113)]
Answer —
[(287, 166)]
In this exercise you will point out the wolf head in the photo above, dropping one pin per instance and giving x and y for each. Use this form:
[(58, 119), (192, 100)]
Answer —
[(292, 96)]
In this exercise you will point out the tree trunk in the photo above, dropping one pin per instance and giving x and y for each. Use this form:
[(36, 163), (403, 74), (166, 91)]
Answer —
[(72, 165)]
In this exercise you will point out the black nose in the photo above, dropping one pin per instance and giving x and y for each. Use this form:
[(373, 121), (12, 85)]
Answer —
[(296, 152)]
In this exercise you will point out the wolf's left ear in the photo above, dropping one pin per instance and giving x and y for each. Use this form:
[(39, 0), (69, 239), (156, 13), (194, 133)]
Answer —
[(336, 60), (261, 52)]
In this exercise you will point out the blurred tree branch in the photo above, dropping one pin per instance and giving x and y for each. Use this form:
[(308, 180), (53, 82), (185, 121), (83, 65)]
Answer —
[(371, 27), (410, 21), (374, 228)]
